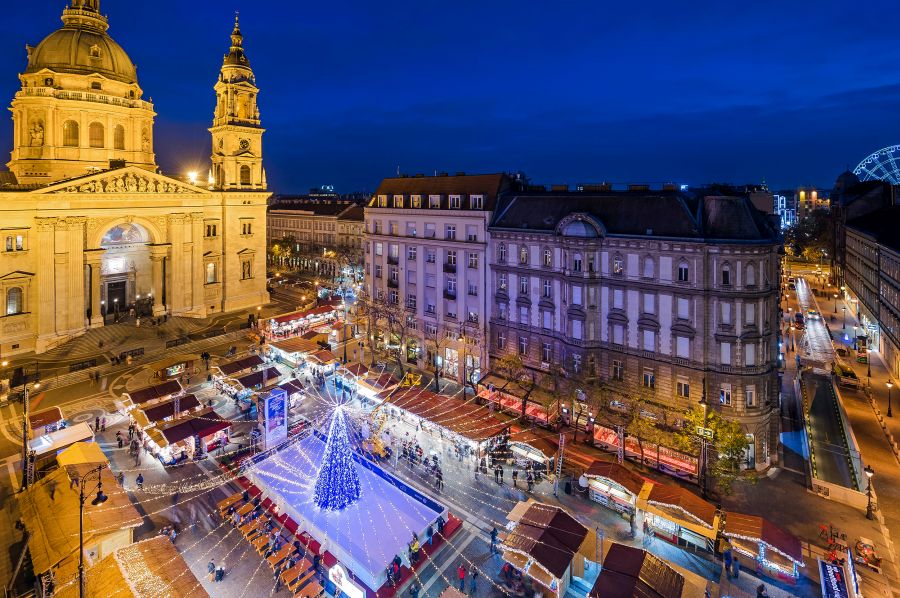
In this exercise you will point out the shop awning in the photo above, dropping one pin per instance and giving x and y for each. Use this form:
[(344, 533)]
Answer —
[(543, 400), (291, 387), (151, 393), (380, 383), (618, 474), (628, 572), (465, 418), (204, 424), (759, 529), (45, 417), (682, 503), (167, 409), (240, 365), (256, 378), (81, 452), (542, 444)]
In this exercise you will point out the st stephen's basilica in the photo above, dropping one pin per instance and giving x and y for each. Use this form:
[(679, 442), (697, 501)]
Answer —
[(89, 226)]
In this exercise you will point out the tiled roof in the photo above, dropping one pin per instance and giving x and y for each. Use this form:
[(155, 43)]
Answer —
[(630, 572), (549, 535), (663, 213), (489, 185), (353, 213), (314, 207)]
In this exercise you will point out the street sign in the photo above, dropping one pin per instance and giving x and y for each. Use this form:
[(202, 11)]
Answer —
[(704, 432)]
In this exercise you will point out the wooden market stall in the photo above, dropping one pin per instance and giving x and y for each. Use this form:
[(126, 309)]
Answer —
[(614, 486), (777, 553), (679, 516), (541, 405), (632, 572)]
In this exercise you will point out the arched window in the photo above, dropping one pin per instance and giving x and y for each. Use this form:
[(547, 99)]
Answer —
[(70, 134), (683, 272), (726, 275), (210, 273), (548, 258), (523, 254), (119, 137), (751, 275), (14, 303), (649, 269), (9, 243), (95, 135), (501, 253)]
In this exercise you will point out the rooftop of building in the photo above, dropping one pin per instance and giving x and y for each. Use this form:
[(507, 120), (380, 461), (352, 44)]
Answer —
[(444, 184), (317, 206), (700, 214), (882, 225)]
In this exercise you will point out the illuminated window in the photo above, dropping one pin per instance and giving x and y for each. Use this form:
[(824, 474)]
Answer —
[(95, 135), (119, 137), (14, 302), (210, 273), (245, 175), (70, 134)]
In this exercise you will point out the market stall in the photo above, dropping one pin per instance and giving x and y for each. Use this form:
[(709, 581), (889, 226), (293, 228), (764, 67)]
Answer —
[(663, 458), (52, 442), (298, 322), (188, 437), (629, 571), (151, 394), (257, 380), (375, 387), (777, 553), (325, 361), (238, 366), (294, 391), (541, 405), (46, 421), (166, 411), (473, 424), (527, 447), (294, 351), (614, 486), (679, 516), (547, 544)]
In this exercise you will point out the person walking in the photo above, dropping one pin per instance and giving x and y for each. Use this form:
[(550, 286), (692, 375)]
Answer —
[(130, 432), (461, 574), (529, 479), (515, 478), (736, 567), (220, 572), (496, 475), (472, 583), (119, 440), (139, 480), (761, 591), (97, 424), (414, 590), (494, 534), (211, 569)]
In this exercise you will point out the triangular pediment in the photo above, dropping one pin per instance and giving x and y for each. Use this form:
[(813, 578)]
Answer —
[(129, 180), (17, 274)]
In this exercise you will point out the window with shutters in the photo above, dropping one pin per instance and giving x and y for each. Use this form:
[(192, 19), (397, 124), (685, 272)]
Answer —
[(618, 334), (725, 394), (618, 370), (683, 388), (648, 380), (683, 308), (649, 337), (725, 353), (577, 329), (749, 354), (682, 347)]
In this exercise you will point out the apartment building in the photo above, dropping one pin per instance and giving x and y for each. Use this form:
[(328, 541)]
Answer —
[(426, 270), (669, 295), (325, 234)]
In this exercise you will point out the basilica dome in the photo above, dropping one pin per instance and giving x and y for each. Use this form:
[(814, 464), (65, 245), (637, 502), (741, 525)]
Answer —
[(83, 47)]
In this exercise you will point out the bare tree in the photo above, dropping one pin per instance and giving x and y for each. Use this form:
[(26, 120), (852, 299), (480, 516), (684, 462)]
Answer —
[(436, 339), (511, 367)]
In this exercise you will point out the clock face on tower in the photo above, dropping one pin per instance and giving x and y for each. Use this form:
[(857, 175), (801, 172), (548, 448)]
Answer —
[(245, 144)]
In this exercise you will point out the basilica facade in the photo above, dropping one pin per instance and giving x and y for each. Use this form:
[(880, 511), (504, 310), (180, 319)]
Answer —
[(89, 226)]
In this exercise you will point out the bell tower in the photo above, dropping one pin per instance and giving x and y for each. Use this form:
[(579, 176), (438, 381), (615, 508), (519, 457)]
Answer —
[(236, 131)]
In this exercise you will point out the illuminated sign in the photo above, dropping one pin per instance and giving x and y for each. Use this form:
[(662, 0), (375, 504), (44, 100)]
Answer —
[(272, 414), (338, 576)]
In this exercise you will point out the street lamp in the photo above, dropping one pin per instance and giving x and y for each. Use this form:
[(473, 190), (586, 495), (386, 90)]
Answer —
[(844, 325), (26, 424), (98, 500), (792, 338), (835, 302), (890, 385), (870, 511)]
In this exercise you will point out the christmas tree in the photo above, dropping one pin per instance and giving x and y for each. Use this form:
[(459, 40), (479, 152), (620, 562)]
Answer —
[(337, 485)]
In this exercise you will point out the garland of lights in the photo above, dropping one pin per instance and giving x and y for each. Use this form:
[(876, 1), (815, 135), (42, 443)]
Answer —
[(337, 485)]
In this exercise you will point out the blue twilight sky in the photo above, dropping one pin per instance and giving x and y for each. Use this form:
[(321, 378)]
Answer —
[(651, 91)]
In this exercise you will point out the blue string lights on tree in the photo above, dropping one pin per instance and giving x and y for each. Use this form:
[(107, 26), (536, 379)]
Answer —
[(337, 485)]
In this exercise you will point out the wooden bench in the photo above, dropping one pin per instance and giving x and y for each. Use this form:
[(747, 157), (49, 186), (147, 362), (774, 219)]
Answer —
[(313, 590), (283, 553), (301, 581), (246, 509), (227, 502), (291, 575), (260, 543)]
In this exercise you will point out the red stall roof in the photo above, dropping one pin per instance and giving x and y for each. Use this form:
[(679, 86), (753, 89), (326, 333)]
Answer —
[(256, 378), (683, 500), (631, 572), (463, 417), (750, 526), (298, 315), (201, 425), (167, 409), (150, 393), (45, 417), (239, 365), (619, 474)]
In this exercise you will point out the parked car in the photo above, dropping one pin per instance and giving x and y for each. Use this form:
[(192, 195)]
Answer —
[(812, 314)]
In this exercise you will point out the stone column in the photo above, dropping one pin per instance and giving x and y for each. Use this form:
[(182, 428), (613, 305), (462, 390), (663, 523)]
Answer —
[(158, 254), (175, 290), (46, 282), (75, 248), (197, 288), (93, 259)]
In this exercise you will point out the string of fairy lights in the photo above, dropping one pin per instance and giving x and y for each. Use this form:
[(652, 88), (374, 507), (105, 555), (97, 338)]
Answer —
[(333, 409)]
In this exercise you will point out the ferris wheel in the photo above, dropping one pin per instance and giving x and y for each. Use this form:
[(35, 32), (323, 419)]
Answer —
[(883, 165)]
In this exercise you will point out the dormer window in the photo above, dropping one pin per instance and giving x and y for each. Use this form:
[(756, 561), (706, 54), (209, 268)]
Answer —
[(48, 82), (95, 51), (96, 85)]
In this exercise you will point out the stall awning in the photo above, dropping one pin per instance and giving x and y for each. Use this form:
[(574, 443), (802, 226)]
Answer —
[(81, 452), (462, 417), (542, 444), (297, 345), (167, 409), (45, 417), (629, 572), (542, 400), (682, 503), (240, 365), (759, 529), (619, 474), (202, 425), (291, 387), (380, 383), (60, 439), (151, 393), (256, 378), (354, 369)]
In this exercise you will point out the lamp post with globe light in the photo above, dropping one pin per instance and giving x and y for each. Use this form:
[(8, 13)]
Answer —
[(890, 385), (97, 501), (870, 510)]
